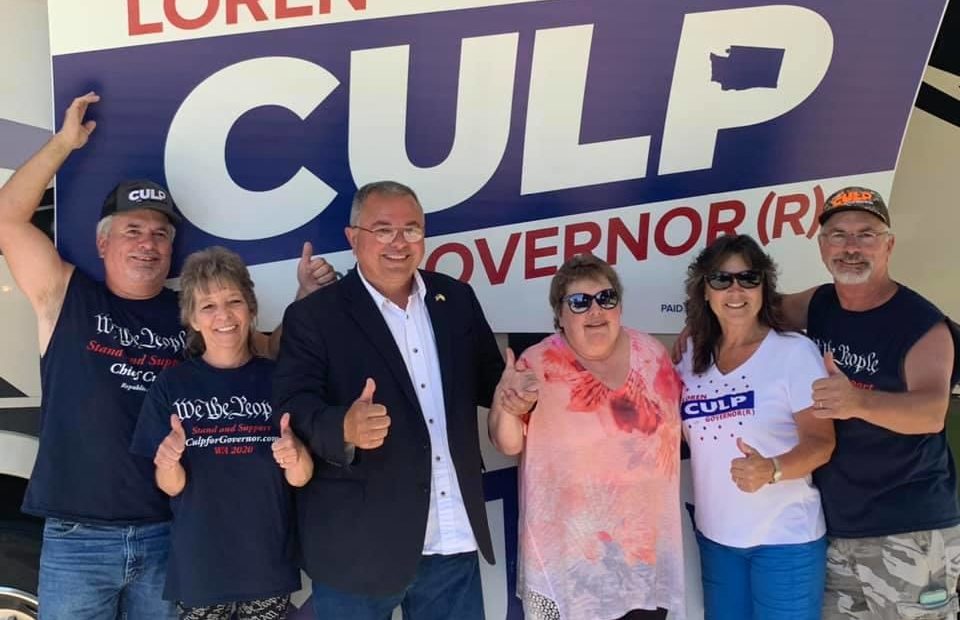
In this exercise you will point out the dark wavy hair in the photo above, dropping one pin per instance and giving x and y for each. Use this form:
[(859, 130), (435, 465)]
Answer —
[(702, 322), (219, 266)]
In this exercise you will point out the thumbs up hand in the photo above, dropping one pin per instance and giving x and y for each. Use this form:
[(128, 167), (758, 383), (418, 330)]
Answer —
[(313, 272), (366, 424), (172, 447), (835, 397), (751, 471), (831, 364), (288, 449), (517, 391)]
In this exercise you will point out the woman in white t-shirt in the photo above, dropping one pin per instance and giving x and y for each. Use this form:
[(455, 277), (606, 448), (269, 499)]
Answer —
[(754, 440)]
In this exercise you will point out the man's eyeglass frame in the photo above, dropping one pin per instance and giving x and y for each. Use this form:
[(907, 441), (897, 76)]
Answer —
[(387, 234)]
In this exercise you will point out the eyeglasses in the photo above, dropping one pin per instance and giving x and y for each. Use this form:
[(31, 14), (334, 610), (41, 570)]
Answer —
[(864, 239), (722, 280), (608, 299), (385, 235)]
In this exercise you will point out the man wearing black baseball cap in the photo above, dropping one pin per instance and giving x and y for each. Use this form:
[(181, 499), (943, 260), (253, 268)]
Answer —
[(140, 194), (889, 492), (100, 502), (855, 199), (106, 534)]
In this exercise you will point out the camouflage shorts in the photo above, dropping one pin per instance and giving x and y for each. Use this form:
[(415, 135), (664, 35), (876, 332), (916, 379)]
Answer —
[(887, 577)]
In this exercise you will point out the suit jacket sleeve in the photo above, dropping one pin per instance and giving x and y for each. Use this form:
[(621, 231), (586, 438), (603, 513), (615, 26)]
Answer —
[(301, 385), (489, 362)]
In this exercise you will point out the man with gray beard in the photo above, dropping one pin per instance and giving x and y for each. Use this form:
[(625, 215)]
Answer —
[(890, 490)]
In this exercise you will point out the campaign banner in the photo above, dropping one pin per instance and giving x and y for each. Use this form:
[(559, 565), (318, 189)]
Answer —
[(531, 130)]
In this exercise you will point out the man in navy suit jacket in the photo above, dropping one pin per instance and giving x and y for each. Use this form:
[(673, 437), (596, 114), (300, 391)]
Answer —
[(382, 374)]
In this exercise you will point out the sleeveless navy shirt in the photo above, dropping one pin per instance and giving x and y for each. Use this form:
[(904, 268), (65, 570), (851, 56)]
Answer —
[(104, 354), (879, 482)]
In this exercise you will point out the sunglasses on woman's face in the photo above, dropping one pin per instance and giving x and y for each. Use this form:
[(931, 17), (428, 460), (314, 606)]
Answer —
[(722, 280), (608, 299)]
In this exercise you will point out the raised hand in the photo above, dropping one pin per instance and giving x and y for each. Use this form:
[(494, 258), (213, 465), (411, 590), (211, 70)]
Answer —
[(171, 448), (366, 424), (751, 471), (313, 272), (834, 396), (75, 132), (518, 390)]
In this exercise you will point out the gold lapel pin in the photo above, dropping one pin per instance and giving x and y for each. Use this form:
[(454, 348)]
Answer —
[(440, 297)]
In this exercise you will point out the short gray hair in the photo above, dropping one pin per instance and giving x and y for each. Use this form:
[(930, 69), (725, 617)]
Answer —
[(103, 227), (384, 188)]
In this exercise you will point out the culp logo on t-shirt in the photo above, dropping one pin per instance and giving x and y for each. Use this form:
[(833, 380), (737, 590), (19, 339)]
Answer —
[(726, 404)]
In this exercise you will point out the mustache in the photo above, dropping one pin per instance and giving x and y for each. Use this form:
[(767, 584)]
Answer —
[(853, 256)]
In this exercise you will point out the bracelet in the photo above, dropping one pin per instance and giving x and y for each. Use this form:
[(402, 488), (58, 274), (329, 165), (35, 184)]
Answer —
[(777, 472)]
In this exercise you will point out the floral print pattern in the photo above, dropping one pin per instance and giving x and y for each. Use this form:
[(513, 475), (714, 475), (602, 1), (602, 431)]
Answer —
[(600, 509)]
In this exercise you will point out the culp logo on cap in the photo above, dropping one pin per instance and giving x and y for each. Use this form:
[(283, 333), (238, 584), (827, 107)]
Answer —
[(146, 193), (854, 198), (140, 194)]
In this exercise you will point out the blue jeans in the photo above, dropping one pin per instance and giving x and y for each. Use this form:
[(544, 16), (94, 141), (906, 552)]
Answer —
[(97, 572), (766, 582), (445, 586)]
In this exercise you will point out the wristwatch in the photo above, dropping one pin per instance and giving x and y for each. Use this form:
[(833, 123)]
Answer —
[(777, 472)]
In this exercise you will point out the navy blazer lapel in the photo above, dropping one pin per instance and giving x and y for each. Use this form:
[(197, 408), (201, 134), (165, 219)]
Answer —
[(363, 310), (443, 324)]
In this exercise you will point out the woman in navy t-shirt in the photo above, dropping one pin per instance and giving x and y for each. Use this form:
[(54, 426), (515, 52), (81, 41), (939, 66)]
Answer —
[(223, 455)]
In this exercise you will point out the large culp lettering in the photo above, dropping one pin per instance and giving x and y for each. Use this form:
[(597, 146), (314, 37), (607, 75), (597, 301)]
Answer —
[(709, 92), (700, 106), (378, 120), (195, 162)]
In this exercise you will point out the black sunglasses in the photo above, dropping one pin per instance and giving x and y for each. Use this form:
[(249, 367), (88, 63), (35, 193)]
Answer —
[(608, 299), (722, 280)]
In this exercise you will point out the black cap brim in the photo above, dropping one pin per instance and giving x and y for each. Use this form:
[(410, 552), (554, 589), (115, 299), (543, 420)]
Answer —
[(172, 215), (826, 215)]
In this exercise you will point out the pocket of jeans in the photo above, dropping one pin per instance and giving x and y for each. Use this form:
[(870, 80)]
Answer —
[(55, 528), (916, 611)]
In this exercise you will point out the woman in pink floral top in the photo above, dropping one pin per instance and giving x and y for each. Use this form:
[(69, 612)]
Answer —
[(599, 496)]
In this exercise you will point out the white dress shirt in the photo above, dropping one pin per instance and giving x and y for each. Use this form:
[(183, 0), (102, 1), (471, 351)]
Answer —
[(448, 527)]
